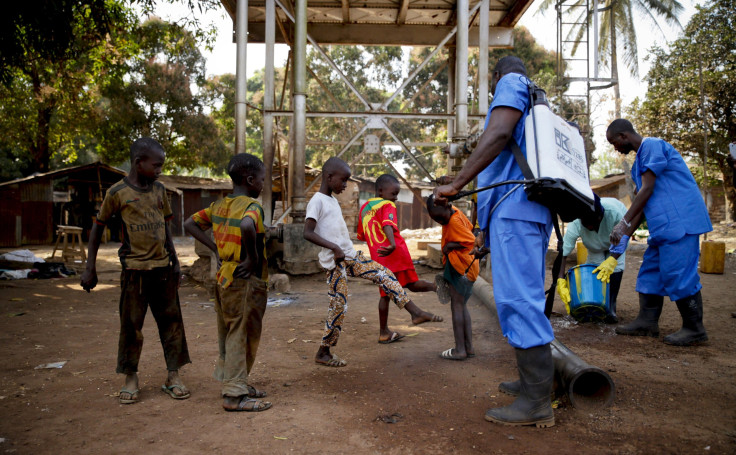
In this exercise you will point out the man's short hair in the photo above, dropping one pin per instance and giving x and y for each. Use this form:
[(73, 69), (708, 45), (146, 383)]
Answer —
[(142, 146), (620, 125), (510, 64), (384, 180), (243, 165)]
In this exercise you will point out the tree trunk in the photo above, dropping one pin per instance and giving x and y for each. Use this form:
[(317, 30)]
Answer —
[(39, 149)]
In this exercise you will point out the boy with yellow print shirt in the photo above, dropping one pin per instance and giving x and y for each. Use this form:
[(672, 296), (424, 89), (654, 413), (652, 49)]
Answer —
[(241, 292)]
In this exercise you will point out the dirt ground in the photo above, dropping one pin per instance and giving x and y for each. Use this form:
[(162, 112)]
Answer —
[(396, 398)]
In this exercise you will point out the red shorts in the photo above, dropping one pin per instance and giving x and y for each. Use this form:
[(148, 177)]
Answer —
[(405, 277)]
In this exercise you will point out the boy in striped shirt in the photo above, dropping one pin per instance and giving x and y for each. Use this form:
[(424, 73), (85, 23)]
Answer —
[(241, 291)]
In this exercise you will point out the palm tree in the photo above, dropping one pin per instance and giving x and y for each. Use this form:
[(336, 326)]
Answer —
[(618, 22)]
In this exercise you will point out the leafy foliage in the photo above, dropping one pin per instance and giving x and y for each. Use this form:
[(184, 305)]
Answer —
[(153, 97), (673, 109)]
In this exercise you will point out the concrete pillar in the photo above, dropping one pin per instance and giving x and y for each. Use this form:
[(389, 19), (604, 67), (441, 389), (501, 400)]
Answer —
[(299, 103), (241, 79), (268, 104)]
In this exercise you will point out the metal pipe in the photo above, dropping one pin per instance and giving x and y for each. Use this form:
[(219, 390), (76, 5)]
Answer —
[(461, 72), (380, 115), (483, 58), (595, 39), (241, 79), (586, 386), (268, 104), (450, 106), (299, 101)]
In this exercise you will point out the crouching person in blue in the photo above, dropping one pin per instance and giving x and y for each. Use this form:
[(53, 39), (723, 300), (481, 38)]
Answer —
[(518, 231), (676, 215)]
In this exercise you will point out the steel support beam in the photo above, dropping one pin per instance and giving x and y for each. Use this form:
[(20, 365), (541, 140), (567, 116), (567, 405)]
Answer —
[(416, 71), (345, 11), (387, 34), (461, 72), (379, 115), (241, 79), (483, 46), (299, 100), (268, 104), (321, 52), (403, 9)]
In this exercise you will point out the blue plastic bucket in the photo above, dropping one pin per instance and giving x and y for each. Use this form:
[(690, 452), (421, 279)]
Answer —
[(589, 296)]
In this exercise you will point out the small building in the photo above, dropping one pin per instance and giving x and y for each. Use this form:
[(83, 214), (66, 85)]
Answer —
[(189, 195), (32, 207)]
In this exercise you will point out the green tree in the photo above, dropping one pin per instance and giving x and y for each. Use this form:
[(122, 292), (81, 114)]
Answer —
[(46, 94), (153, 97), (672, 108), (617, 21)]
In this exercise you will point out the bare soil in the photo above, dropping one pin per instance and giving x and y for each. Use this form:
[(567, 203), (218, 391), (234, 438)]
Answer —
[(396, 398)]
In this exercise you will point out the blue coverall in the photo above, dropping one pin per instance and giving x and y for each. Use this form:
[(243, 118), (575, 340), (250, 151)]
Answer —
[(676, 216), (517, 232)]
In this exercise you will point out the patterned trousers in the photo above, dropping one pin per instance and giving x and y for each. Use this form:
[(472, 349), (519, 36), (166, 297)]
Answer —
[(337, 280)]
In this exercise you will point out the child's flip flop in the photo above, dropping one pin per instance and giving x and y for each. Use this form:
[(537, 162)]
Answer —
[(395, 336)]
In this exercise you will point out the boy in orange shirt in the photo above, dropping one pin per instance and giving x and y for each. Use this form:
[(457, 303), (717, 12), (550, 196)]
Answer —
[(378, 227), (461, 271)]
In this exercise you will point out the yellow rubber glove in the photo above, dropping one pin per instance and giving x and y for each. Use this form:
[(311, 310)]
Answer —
[(606, 268), (564, 292)]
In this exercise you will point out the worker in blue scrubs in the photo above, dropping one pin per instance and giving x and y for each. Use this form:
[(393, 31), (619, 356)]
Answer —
[(517, 231), (676, 216)]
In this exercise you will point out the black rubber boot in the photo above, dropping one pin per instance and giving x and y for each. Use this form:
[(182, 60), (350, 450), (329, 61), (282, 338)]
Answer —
[(533, 405), (510, 388), (647, 322), (614, 286), (692, 331)]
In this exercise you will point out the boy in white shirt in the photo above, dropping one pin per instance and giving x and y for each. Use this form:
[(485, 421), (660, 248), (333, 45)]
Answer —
[(325, 226)]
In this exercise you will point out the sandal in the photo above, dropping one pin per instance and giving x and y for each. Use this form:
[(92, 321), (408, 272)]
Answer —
[(395, 336), (334, 361), (255, 393), (450, 355), (443, 289), (133, 396), (170, 391), (247, 404)]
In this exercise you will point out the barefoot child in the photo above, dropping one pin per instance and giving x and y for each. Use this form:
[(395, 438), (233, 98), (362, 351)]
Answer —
[(150, 276), (461, 270), (325, 226), (379, 228), (241, 290)]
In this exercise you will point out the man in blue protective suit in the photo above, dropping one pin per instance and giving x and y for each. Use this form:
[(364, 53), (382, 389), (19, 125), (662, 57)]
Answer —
[(518, 232), (676, 216)]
